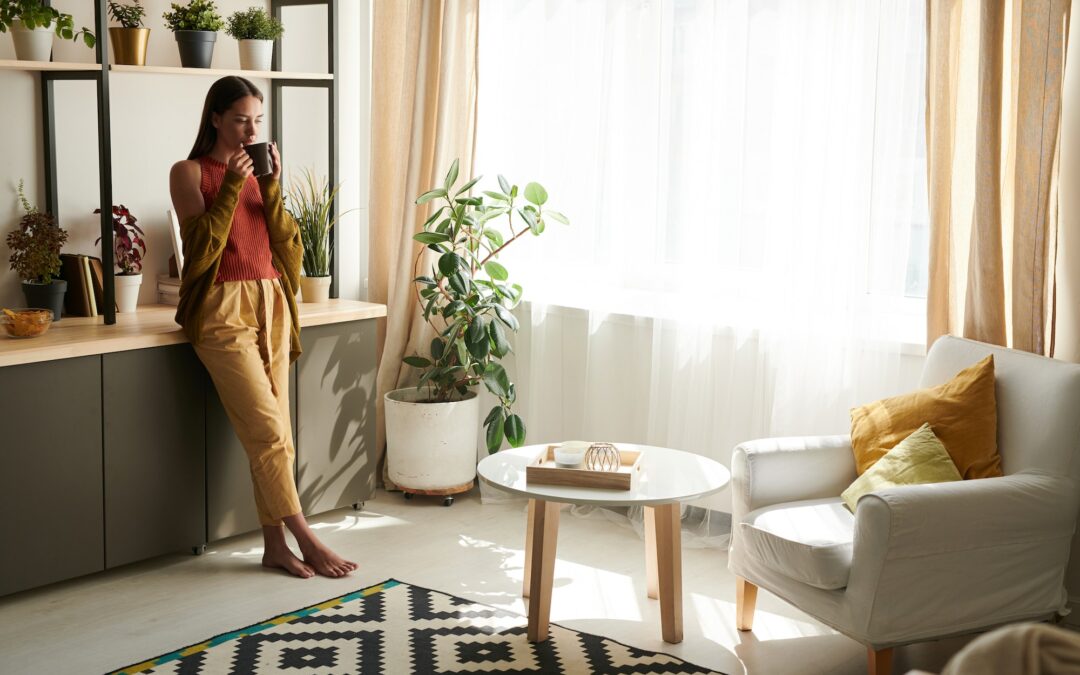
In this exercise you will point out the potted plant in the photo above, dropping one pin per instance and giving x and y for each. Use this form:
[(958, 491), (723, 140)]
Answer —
[(310, 202), (130, 38), (129, 250), (195, 26), (35, 256), (467, 298), (33, 24), (256, 31)]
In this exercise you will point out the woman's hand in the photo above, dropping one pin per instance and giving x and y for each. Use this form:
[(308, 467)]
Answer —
[(240, 163), (275, 161)]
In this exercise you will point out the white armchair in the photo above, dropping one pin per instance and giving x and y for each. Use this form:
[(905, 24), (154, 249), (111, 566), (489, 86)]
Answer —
[(927, 561)]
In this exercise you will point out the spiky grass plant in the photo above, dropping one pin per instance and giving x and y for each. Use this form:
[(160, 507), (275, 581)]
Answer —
[(310, 200)]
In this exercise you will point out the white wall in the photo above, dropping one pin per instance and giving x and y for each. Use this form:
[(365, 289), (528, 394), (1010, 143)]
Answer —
[(154, 120)]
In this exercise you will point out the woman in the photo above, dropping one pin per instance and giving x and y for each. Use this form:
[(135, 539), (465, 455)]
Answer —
[(242, 255)]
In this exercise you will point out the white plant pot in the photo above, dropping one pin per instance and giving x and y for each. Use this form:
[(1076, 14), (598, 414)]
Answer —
[(256, 54), (431, 446), (32, 45), (127, 291), (315, 289)]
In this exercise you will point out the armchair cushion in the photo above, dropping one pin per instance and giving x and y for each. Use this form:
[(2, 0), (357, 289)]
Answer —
[(920, 458), (808, 541), (962, 411)]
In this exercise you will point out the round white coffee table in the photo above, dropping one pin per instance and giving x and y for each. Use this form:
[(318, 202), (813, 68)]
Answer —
[(666, 478)]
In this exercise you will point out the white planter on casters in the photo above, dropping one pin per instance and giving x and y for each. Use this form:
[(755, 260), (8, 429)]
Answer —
[(32, 45), (127, 292), (431, 447), (256, 54)]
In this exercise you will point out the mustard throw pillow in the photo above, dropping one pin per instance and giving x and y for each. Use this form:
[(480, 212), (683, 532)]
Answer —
[(920, 458), (962, 412)]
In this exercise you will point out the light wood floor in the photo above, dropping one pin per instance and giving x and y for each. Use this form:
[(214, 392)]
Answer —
[(109, 620)]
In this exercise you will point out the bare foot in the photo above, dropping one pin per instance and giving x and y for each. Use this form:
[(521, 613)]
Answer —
[(325, 561), (283, 558)]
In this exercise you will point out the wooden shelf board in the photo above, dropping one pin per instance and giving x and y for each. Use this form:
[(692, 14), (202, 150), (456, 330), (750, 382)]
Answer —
[(12, 64), (220, 72)]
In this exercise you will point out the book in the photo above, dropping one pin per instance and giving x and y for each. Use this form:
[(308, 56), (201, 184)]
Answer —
[(76, 300), (97, 281), (88, 285)]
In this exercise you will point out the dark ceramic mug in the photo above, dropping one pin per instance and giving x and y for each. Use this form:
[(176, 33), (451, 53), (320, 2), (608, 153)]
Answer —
[(260, 157)]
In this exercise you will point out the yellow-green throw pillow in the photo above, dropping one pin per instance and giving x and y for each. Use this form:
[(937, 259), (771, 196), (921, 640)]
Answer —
[(920, 458)]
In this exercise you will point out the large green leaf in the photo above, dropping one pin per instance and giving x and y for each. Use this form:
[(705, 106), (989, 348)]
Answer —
[(558, 217), (431, 237), (427, 281), (497, 196), (451, 175), (493, 213), (496, 380), (469, 201), (506, 317), (535, 193), (493, 435), (433, 217), (417, 361), (437, 348), (449, 263), (453, 308), (496, 271), (529, 216), (467, 186), (515, 431), (500, 347), (504, 185), (477, 331), (458, 283), (429, 195), (495, 237), (479, 350), (462, 351)]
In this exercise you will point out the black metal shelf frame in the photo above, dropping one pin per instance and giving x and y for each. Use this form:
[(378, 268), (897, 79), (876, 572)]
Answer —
[(101, 78)]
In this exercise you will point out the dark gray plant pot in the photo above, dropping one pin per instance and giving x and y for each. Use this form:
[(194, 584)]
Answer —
[(46, 296), (196, 47)]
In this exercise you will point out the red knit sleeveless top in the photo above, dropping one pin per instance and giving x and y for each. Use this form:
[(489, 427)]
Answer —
[(247, 251)]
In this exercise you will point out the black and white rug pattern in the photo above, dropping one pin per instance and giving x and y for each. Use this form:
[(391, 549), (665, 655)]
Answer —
[(394, 627)]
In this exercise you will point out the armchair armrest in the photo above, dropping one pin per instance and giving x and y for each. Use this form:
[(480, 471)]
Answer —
[(960, 556), (778, 470)]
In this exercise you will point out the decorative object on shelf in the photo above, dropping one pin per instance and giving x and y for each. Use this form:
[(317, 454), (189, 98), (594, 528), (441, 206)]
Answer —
[(466, 297), (256, 31), (310, 201), (570, 453), (195, 26), (129, 249), (617, 471), (467, 301), (25, 323), (35, 256), (602, 457), (33, 24), (130, 38)]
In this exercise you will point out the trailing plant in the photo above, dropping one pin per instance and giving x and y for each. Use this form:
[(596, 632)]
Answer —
[(254, 24), (196, 15), (129, 247), (467, 298), (128, 16), (310, 201), (36, 14), (35, 245)]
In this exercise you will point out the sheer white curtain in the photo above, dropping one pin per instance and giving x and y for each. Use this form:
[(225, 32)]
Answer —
[(747, 193)]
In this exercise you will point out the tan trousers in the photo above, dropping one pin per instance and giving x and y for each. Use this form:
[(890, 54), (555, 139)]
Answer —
[(245, 347)]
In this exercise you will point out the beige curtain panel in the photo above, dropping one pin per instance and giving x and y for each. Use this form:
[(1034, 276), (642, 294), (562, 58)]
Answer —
[(423, 112), (994, 93)]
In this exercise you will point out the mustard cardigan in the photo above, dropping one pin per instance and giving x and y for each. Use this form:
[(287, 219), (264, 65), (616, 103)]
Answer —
[(204, 240)]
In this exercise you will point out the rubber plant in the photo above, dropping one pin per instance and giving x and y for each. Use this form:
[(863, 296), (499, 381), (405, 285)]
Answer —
[(468, 298)]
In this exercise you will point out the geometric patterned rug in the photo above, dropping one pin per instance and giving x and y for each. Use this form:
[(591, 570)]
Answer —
[(394, 627)]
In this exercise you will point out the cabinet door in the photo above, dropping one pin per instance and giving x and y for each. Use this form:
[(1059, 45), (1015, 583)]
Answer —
[(230, 499), (50, 472), (155, 452), (336, 414)]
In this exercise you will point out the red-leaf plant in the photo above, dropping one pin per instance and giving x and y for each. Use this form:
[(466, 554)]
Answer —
[(129, 247)]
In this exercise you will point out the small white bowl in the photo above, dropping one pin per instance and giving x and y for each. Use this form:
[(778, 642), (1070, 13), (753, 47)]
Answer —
[(570, 453)]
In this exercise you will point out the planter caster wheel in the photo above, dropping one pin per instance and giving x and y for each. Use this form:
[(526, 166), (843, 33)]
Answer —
[(198, 550), (358, 506), (408, 495), (447, 500)]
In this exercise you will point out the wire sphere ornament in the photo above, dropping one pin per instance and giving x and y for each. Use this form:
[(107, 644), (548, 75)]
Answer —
[(602, 457)]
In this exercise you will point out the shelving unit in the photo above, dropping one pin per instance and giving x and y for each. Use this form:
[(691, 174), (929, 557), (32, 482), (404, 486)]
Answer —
[(99, 72)]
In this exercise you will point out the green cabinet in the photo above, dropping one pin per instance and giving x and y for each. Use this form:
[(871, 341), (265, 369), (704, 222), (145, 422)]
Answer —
[(50, 472), (155, 464)]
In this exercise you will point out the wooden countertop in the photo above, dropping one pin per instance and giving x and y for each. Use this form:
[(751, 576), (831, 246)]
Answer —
[(151, 326)]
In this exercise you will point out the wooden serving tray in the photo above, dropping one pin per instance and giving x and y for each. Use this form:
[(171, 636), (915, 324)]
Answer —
[(544, 471)]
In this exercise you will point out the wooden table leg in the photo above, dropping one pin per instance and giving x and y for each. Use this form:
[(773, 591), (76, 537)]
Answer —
[(666, 527), (650, 553), (528, 549), (545, 533)]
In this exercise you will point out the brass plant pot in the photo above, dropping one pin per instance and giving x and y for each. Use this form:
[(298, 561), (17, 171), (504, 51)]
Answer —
[(129, 45)]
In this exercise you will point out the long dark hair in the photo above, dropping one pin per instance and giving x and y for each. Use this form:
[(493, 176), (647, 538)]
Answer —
[(222, 95)]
